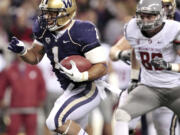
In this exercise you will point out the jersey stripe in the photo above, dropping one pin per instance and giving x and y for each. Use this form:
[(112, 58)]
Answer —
[(74, 103), (173, 124)]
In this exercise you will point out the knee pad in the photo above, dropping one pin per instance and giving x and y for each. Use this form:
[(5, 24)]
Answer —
[(121, 115)]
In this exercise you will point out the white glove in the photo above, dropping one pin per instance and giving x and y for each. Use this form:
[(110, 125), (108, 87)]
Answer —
[(74, 74)]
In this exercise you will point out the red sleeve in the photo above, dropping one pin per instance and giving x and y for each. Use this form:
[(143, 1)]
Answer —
[(3, 83), (177, 42)]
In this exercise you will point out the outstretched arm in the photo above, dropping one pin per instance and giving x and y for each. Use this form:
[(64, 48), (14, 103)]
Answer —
[(32, 55)]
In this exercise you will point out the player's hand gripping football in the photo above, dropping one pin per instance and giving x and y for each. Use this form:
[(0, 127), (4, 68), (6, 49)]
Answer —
[(74, 74), (161, 64), (17, 46)]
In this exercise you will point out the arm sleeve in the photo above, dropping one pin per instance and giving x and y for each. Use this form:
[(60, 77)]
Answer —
[(90, 40), (86, 35), (96, 55)]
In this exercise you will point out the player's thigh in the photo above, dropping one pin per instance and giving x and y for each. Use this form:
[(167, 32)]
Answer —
[(73, 105), (173, 98), (175, 107), (164, 120), (141, 100)]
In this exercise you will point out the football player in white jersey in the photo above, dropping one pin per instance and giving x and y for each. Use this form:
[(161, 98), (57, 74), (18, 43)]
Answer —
[(165, 121), (121, 50), (146, 34)]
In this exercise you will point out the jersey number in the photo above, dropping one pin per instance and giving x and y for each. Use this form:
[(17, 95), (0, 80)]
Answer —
[(146, 59), (56, 59)]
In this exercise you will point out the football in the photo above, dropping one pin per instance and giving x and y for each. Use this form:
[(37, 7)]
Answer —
[(82, 63)]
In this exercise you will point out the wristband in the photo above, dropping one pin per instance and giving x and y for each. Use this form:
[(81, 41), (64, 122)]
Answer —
[(23, 52), (117, 55), (175, 67), (135, 74), (85, 76)]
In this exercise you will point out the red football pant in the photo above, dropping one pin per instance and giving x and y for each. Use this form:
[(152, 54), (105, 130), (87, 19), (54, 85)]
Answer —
[(28, 121)]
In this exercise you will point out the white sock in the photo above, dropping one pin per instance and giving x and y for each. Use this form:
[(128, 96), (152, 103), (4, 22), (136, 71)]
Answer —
[(82, 132), (121, 128)]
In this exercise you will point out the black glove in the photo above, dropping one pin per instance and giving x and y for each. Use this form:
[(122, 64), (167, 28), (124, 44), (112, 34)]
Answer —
[(161, 64), (125, 56), (39, 27), (133, 85)]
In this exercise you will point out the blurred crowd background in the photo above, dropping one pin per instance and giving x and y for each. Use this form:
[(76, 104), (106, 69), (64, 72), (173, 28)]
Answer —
[(16, 19)]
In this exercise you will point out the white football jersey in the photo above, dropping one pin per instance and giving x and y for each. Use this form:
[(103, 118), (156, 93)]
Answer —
[(160, 45)]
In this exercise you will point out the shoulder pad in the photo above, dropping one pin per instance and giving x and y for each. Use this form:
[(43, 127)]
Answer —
[(131, 29), (82, 26), (83, 32)]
